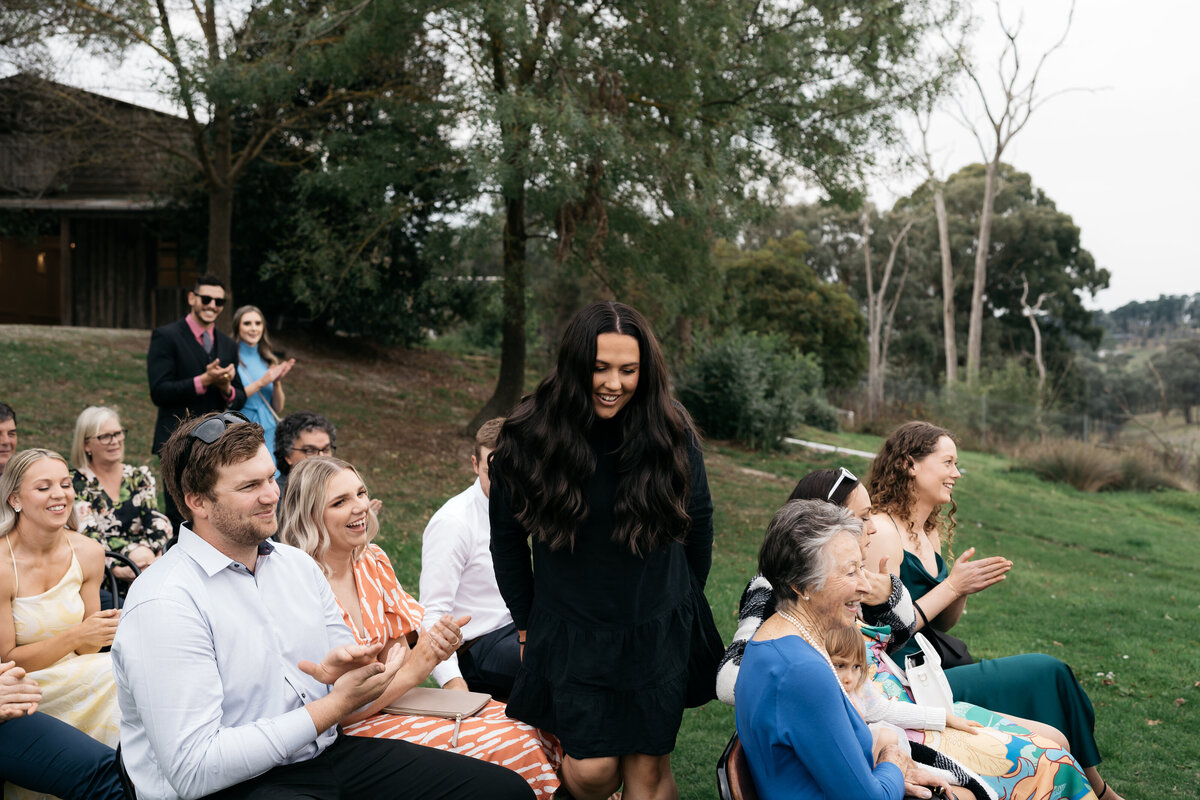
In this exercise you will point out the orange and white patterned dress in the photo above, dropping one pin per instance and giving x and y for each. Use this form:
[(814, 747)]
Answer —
[(388, 613)]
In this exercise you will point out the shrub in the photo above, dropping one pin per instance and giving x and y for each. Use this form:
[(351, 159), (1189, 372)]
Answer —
[(754, 389), (1084, 466)]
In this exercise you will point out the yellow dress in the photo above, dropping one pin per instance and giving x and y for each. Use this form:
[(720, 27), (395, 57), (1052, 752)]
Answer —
[(78, 689)]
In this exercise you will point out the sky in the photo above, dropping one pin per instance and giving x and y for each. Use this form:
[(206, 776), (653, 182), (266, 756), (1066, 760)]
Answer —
[(1118, 152)]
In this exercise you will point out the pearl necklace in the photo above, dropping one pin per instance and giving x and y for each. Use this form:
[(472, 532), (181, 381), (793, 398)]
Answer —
[(808, 636)]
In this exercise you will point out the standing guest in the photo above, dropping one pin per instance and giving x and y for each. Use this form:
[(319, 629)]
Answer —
[(116, 503), (234, 669), (604, 470), (8, 434), (260, 369), (192, 368), (457, 578), (327, 514), (51, 623), (40, 754)]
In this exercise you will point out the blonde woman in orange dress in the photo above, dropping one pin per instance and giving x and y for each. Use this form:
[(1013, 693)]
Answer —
[(326, 512)]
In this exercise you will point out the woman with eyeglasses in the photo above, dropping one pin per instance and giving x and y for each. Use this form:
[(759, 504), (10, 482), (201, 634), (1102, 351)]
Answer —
[(116, 503), (1012, 757), (261, 371)]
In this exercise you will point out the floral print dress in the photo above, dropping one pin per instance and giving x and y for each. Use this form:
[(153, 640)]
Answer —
[(131, 521)]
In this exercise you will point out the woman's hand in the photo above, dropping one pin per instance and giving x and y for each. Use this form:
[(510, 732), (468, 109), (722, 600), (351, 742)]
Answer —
[(97, 630), (918, 779), (961, 724), (277, 371), (19, 694), (969, 577), (881, 585), (140, 555)]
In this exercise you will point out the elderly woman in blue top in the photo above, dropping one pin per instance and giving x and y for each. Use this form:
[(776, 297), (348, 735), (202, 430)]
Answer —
[(803, 738), (260, 369)]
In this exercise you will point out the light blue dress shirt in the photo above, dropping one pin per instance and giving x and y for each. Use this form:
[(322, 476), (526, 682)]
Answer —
[(206, 662)]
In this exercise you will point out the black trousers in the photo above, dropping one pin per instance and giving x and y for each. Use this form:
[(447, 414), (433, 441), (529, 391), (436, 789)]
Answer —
[(490, 664), (360, 768), (44, 754)]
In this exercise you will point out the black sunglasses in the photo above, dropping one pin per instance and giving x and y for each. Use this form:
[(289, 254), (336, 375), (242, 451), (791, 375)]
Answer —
[(205, 299), (208, 432)]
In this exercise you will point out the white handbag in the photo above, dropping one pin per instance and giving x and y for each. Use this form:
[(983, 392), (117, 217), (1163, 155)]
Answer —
[(926, 680)]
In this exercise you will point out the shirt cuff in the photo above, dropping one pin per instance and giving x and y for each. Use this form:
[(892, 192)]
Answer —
[(447, 671), (229, 397), (295, 730), (199, 386)]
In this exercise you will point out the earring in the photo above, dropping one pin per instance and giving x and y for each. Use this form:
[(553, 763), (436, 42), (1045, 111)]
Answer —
[(16, 509), (806, 597)]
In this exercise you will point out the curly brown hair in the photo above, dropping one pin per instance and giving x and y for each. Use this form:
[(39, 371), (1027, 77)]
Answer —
[(891, 485)]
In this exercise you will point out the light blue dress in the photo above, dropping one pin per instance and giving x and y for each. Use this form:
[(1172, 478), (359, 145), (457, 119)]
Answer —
[(251, 367)]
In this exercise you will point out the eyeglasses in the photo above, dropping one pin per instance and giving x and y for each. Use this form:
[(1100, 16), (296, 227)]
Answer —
[(109, 438), (205, 299), (310, 451), (843, 475), (208, 432)]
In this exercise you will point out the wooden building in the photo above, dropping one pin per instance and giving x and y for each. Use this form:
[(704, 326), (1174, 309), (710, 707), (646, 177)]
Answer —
[(87, 236)]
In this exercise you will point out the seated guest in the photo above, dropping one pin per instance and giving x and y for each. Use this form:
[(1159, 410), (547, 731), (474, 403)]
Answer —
[(260, 369), (301, 435), (39, 754), (457, 578), (53, 627), (802, 736), (116, 503), (8, 434), (327, 514), (233, 667)]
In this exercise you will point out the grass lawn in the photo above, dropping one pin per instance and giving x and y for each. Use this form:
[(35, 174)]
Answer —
[(1107, 583)]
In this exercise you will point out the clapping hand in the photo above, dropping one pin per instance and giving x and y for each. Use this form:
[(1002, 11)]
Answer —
[(341, 660), (277, 371), (969, 577)]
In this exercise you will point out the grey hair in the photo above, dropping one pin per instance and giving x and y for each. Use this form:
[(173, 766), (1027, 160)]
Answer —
[(86, 425), (795, 556)]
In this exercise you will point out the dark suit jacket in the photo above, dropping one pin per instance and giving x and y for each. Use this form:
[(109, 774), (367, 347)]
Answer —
[(174, 360)]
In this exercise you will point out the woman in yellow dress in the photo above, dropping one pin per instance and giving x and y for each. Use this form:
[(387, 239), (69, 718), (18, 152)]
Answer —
[(51, 624)]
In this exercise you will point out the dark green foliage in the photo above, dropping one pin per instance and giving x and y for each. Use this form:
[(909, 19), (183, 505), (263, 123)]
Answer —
[(1179, 368), (753, 388)]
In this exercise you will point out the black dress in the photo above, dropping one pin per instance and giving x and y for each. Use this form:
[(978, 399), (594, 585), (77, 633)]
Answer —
[(609, 635)]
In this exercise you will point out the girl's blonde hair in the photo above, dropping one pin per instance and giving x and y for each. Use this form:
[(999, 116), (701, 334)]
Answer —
[(264, 344), (86, 425), (10, 484), (847, 643), (302, 514)]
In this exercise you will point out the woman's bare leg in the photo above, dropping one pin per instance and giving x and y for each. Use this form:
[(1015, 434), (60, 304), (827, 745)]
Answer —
[(591, 778), (648, 778)]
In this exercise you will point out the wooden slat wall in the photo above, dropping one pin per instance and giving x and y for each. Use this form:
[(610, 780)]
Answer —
[(112, 273)]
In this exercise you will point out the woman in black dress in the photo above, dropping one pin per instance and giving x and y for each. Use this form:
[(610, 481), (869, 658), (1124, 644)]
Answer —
[(604, 471)]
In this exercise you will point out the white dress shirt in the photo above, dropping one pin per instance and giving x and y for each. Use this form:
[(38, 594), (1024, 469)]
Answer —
[(206, 661), (456, 570)]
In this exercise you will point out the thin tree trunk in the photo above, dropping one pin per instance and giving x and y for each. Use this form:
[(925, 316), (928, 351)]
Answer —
[(975, 328), (948, 332), (874, 326)]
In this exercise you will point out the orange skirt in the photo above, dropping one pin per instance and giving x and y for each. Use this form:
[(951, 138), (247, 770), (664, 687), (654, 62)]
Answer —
[(489, 735)]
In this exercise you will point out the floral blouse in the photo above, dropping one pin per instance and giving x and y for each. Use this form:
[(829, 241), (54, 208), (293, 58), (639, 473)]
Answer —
[(134, 520)]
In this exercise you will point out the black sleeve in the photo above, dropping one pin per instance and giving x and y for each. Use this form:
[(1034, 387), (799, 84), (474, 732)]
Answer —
[(700, 509), (510, 553), (168, 389)]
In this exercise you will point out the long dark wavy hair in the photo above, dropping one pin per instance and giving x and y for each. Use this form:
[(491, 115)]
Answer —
[(891, 485), (544, 460)]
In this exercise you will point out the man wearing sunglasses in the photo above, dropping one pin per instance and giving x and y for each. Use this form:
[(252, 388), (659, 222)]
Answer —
[(192, 368), (234, 668)]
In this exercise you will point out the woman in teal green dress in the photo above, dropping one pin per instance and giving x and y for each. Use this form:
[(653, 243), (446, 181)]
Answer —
[(260, 369), (911, 484)]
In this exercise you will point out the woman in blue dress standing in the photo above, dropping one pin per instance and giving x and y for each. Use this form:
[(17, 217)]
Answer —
[(260, 369)]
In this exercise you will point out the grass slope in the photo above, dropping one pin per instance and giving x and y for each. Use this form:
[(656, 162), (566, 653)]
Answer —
[(1108, 583)]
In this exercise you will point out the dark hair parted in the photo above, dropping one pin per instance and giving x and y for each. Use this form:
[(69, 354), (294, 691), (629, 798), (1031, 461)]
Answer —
[(817, 484), (793, 557), (239, 442), (545, 462), (290, 428), (891, 484)]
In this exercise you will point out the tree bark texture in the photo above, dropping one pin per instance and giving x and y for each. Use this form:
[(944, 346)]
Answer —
[(948, 332), (975, 327)]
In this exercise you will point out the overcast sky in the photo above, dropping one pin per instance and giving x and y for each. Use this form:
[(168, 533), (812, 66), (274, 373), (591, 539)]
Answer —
[(1123, 158)]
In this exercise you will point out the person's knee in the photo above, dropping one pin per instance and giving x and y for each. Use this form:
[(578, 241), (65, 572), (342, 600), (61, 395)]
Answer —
[(592, 776), (651, 773)]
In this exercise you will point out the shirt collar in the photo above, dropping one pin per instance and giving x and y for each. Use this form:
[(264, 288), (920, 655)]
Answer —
[(196, 327), (210, 559)]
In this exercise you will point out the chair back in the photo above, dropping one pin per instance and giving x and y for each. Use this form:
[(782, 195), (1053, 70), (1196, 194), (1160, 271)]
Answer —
[(733, 773)]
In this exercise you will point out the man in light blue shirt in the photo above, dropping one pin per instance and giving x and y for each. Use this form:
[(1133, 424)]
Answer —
[(233, 664)]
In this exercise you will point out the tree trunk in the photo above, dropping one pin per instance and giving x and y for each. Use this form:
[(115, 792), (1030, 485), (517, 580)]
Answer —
[(511, 383), (220, 206), (874, 325), (975, 329), (948, 333)]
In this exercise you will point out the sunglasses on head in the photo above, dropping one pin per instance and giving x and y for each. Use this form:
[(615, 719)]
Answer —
[(843, 475), (206, 299), (208, 432)]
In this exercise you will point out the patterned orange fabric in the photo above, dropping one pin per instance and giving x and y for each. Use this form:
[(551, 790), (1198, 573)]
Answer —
[(388, 613)]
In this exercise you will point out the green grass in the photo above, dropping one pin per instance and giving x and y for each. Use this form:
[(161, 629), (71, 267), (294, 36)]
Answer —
[(1107, 583)]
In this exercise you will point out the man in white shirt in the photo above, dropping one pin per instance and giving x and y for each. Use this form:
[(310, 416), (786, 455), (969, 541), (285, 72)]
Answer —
[(218, 685), (457, 578)]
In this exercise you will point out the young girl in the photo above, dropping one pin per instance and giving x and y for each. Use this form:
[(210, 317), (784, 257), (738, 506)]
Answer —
[(848, 652)]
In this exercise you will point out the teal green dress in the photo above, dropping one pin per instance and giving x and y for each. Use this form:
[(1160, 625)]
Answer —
[(1032, 685)]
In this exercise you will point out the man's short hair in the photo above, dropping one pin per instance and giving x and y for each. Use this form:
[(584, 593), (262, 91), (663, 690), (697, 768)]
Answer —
[(239, 442), (208, 280), (7, 413), (290, 428), (487, 435)]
